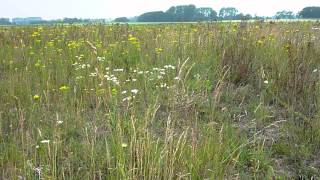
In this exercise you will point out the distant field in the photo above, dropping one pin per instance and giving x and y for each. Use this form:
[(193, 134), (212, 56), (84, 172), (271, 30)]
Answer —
[(181, 101)]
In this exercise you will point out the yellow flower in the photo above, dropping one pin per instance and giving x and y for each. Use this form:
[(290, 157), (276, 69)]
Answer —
[(124, 145), (131, 38), (36, 97), (259, 42), (158, 50), (35, 34), (64, 88), (37, 64)]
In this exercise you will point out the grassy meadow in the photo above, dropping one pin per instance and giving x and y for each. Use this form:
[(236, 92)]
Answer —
[(169, 101)]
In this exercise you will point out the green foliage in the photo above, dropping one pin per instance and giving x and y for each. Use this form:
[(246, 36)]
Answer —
[(310, 12), (184, 13), (285, 15), (4, 21), (157, 16), (121, 19), (228, 13)]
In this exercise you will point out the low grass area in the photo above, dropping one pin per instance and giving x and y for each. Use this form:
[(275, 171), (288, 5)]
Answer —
[(177, 101)]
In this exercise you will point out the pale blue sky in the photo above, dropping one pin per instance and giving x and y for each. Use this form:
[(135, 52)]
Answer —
[(54, 9)]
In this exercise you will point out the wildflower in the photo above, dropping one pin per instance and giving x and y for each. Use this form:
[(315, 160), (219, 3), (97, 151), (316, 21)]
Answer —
[(37, 64), (287, 47), (93, 74), (79, 77), (112, 78), (315, 70), (126, 99), (163, 85), (64, 88), (45, 141), (124, 145), (38, 170), (158, 50), (123, 92), (35, 34), (271, 37), (134, 91), (266, 82), (59, 122), (101, 58), (131, 38), (117, 70), (169, 67), (36, 97), (83, 66), (259, 42)]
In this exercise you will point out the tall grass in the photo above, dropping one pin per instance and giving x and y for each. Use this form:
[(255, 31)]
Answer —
[(175, 101)]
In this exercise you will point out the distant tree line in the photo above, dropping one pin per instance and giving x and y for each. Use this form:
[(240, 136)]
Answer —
[(285, 15), (5, 21), (190, 13), (184, 13)]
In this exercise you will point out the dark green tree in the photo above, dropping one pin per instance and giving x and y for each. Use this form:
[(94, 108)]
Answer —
[(172, 10), (188, 12), (205, 14), (285, 15), (121, 19), (228, 13), (4, 21), (310, 12), (242, 16), (156, 16), (183, 13)]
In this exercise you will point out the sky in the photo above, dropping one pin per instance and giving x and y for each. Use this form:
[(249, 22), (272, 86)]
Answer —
[(109, 9)]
